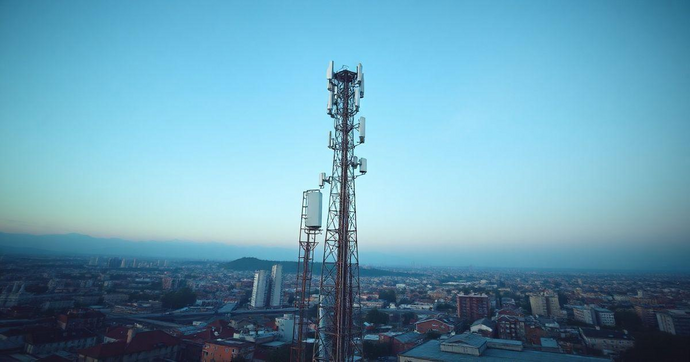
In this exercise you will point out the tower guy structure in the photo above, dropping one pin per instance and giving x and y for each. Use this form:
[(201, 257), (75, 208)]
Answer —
[(339, 315)]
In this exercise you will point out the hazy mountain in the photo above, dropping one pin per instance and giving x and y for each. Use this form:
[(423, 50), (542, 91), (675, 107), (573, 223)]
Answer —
[(250, 264), (77, 244)]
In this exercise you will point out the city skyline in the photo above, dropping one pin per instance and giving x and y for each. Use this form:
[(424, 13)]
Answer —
[(503, 137)]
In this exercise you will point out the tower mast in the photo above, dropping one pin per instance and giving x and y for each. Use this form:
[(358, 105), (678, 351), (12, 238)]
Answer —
[(339, 317)]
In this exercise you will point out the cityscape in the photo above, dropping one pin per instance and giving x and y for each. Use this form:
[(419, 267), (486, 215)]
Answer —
[(114, 308), (512, 186)]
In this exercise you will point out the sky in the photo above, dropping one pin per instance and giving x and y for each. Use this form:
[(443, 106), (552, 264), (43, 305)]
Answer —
[(498, 133)]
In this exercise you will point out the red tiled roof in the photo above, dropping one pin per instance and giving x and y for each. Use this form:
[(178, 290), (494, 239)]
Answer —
[(119, 333), (142, 341), (52, 336)]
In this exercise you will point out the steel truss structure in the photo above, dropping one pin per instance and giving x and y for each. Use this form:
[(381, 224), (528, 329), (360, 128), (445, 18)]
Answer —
[(339, 331), (305, 262)]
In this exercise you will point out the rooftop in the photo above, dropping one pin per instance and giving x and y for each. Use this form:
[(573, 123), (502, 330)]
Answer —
[(431, 351), (604, 333)]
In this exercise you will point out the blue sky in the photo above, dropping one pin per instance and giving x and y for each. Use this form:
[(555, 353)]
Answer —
[(492, 126)]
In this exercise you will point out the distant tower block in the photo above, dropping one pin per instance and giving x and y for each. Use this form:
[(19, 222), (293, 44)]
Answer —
[(260, 290), (276, 286)]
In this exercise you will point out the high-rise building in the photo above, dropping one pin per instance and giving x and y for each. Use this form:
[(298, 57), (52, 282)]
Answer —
[(674, 321), (545, 305), (114, 262), (553, 306), (584, 314), (473, 306), (260, 290), (604, 316), (538, 304), (276, 286), (124, 263)]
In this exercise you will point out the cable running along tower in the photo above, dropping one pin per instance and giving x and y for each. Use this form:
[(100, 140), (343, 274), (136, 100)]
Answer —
[(339, 331)]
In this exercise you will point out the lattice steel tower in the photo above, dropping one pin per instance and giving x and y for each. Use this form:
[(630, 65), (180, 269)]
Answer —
[(339, 331), (310, 227)]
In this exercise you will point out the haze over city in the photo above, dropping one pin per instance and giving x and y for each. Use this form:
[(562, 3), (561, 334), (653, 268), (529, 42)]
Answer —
[(501, 136)]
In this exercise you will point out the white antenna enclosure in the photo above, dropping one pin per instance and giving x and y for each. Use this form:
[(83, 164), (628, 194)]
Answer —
[(329, 107), (314, 212), (322, 179), (359, 73), (330, 139), (363, 165), (329, 71), (362, 129), (361, 87), (356, 101)]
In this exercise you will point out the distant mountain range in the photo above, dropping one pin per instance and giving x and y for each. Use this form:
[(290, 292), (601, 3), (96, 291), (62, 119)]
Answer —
[(244, 257), (78, 244), (251, 264)]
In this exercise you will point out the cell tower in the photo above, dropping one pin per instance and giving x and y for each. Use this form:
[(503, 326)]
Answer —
[(339, 314), (310, 226)]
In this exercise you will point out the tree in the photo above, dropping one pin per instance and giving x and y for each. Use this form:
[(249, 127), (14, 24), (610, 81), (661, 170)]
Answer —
[(432, 335), (404, 301), (179, 298), (628, 320), (444, 307), (388, 295), (280, 354), (562, 299), (376, 317), (373, 350), (407, 317), (658, 346)]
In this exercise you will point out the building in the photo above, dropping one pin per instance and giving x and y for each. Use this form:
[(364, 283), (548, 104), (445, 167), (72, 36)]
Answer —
[(81, 318), (114, 262), (268, 292), (545, 305), (510, 327), (485, 326), (260, 289), (584, 314), (227, 351), (442, 325), (676, 322), (604, 317), (553, 305), (169, 283), (538, 304), (404, 341), (141, 346), (286, 327), (606, 340), (472, 307), (471, 347), (46, 342), (276, 286)]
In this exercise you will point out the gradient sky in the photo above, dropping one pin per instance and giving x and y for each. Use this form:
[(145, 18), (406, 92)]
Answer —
[(492, 126)]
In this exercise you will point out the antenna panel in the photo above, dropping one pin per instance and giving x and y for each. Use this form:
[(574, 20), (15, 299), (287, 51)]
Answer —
[(361, 87), (314, 212), (329, 71), (363, 165), (362, 129), (356, 101)]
